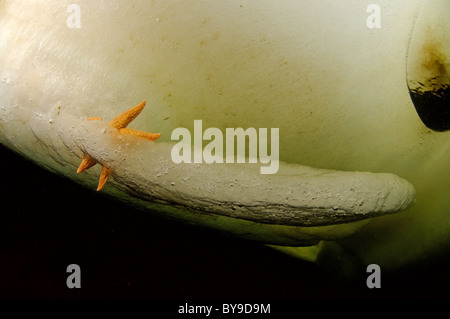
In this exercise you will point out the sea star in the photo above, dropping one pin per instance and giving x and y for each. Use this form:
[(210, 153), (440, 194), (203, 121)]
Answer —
[(120, 123)]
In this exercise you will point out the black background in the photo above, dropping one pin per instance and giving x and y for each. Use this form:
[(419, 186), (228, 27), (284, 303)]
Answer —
[(48, 222)]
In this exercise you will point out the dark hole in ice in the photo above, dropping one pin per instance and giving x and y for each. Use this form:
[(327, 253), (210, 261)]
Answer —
[(433, 107)]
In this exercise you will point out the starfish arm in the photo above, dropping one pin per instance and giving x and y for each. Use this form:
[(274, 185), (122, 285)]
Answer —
[(120, 123), (94, 119), (86, 163), (103, 177), (127, 117), (148, 136)]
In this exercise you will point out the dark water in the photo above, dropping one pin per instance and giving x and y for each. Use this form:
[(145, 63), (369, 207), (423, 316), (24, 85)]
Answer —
[(48, 222), (433, 107)]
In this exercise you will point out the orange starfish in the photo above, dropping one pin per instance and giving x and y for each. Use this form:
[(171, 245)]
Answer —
[(120, 123)]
